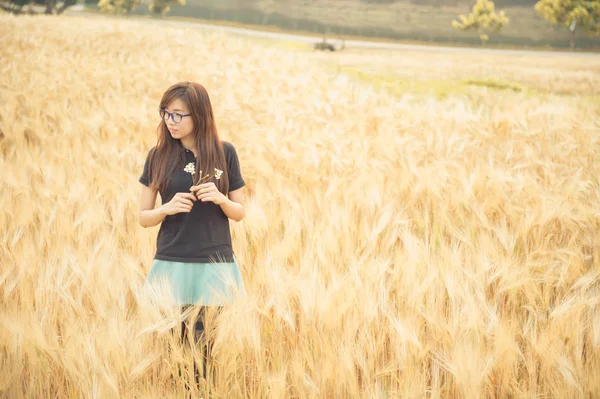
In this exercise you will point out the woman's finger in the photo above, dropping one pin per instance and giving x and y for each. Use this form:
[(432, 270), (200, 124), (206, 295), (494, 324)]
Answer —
[(189, 195), (184, 197)]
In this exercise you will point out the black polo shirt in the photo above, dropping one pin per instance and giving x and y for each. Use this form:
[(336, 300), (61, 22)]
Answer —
[(203, 234)]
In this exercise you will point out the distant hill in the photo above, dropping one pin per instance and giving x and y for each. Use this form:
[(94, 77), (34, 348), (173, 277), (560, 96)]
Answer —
[(451, 3), (422, 20)]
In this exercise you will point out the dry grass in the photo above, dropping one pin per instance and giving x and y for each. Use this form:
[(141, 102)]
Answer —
[(404, 246)]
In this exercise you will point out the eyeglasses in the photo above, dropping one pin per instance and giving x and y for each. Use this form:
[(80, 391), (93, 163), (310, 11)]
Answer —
[(175, 117)]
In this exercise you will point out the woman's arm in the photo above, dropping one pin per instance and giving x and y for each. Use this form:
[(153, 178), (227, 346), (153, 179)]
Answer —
[(151, 217), (233, 206), (181, 202), (148, 215)]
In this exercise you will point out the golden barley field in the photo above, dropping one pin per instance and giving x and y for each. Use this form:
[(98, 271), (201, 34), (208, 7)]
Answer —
[(410, 232)]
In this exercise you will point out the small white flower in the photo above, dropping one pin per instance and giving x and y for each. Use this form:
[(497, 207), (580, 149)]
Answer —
[(218, 173), (190, 168)]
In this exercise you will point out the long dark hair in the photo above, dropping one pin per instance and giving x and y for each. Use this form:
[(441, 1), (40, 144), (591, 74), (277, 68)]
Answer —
[(169, 154)]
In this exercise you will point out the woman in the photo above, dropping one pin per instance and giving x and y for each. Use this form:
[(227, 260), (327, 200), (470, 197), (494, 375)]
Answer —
[(201, 187)]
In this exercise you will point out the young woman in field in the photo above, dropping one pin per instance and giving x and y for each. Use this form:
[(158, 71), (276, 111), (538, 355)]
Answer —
[(201, 187)]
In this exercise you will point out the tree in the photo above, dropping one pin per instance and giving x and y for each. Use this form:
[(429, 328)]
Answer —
[(15, 6), (52, 6), (574, 14), (163, 6), (126, 6), (482, 19), (118, 6)]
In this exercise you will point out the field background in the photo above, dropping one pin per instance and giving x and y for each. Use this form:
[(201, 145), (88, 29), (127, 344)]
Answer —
[(405, 20), (418, 225)]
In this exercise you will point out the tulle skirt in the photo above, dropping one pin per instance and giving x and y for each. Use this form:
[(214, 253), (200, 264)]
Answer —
[(204, 284)]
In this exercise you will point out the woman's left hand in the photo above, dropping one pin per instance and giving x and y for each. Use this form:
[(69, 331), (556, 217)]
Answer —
[(208, 192)]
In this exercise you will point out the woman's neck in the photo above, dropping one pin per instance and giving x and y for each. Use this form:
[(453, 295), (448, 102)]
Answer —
[(188, 145)]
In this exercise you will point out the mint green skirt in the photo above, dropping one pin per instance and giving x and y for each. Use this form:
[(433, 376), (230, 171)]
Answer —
[(205, 284)]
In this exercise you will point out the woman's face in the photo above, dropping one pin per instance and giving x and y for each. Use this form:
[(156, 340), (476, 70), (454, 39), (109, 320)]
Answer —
[(186, 126)]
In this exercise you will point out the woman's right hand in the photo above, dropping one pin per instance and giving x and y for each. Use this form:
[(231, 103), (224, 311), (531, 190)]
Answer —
[(181, 202)]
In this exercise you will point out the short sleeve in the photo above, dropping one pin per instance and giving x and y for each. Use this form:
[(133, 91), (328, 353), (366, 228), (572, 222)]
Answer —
[(145, 178), (233, 168)]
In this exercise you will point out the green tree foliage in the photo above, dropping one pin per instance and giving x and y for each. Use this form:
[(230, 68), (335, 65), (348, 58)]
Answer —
[(482, 19), (15, 6), (52, 6), (573, 14), (118, 6), (163, 6), (160, 7)]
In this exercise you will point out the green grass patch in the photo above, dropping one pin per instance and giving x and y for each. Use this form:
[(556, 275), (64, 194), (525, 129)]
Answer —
[(442, 88), (494, 84)]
